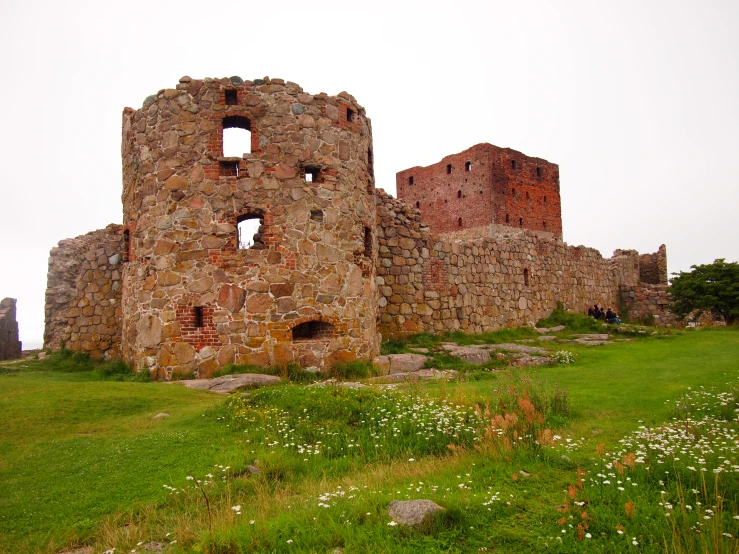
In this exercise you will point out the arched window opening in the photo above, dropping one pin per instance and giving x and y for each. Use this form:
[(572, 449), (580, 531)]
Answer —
[(526, 277), (126, 245), (507, 218), (449, 168), (314, 330), (418, 204), (459, 194), (467, 166), (520, 222), (251, 231), (236, 136), (459, 222)]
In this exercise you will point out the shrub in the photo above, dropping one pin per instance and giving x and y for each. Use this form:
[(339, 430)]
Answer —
[(564, 357)]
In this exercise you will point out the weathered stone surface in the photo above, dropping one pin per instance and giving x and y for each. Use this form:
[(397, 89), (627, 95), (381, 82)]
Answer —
[(10, 346), (230, 383), (593, 336), (413, 512), (161, 415), (406, 362), (231, 297), (472, 354)]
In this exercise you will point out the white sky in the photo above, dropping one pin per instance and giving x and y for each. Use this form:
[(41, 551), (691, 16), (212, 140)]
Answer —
[(637, 101)]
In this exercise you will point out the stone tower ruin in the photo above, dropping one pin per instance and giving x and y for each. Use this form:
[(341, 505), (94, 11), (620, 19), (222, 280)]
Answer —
[(198, 294)]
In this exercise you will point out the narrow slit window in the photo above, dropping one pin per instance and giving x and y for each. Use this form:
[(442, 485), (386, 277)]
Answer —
[(538, 172), (410, 180), (198, 316), (467, 166), (527, 196), (349, 115), (526, 277), (520, 222), (236, 136), (507, 218), (231, 98), (459, 222), (545, 200), (459, 194), (312, 174), (418, 204), (513, 164), (126, 245), (513, 193), (367, 242), (251, 232), (449, 168), (544, 223)]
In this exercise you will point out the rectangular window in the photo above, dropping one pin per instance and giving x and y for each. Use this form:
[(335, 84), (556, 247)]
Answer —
[(198, 316), (231, 99)]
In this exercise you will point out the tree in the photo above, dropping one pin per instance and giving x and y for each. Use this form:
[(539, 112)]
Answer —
[(707, 287)]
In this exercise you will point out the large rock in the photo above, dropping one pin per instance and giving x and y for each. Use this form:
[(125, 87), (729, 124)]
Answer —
[(522, 348), (406, 362), (473, 354), (230, 383), (413, 512)]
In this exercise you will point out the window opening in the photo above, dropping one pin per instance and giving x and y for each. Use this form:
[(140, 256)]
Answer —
[(231, 99), (313, 330), (418, 204), (459, 222), (545, 200), (236, 136), (198, 316), (229, 168), (410, 180), (317, 215), (459, 194), (449, 168), (527, 196), (545, 225), (126, 245), (526, 277), (513, 193), (367, 242), (538, 172), (507, 219), (513, 164), (467, 166), (349, 115), (520, 222), (251, 231), (311, 174)]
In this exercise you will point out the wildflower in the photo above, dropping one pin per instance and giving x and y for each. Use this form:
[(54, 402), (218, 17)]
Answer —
[(392, 524), (189, 477), (236, 508), (289, 541)]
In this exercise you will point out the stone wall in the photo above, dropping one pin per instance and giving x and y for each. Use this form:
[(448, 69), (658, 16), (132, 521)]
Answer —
[(10, 346), (83, 294), (648, 303), (433, 283), (485, 185), (197, 295)]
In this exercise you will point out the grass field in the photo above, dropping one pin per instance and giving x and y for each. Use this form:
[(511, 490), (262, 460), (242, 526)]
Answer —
[(631, 448)]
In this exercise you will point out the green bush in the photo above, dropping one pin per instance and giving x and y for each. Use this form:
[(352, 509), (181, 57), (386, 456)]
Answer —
[(357, 369), (574, 322), (118, 370)]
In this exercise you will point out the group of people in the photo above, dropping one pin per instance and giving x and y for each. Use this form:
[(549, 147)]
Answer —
[(609, 315)]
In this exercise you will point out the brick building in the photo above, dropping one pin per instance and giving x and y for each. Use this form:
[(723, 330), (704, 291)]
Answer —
[(482, 186)]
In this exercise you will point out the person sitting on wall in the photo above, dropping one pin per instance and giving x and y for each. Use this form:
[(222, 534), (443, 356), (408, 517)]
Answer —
[(612, 317)]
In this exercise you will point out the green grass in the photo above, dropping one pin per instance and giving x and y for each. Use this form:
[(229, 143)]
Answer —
[(81, 460)]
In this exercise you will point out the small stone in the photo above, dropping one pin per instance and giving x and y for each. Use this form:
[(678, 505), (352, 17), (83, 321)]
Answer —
[(237, 81), (298, 109), (160, 416), (258, 82), (150, 100)]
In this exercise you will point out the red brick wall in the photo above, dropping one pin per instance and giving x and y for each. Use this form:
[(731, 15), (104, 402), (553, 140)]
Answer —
[(486, 184)]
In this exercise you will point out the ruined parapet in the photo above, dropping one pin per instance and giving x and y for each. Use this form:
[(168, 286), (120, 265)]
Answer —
[(83, 294), (653, 267), (300, 286), (485, 186), (10, 345)]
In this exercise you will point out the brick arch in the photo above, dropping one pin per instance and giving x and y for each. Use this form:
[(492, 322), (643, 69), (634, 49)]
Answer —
[(327, 319)]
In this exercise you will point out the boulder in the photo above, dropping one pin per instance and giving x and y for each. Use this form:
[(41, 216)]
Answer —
[(413, 512), (406, 362), (476, 355), (231, 383)]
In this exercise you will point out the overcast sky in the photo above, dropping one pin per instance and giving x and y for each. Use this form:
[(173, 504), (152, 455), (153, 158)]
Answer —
[(637, 101)]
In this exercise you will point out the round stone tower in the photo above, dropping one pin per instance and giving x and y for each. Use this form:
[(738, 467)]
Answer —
[(263, 256)]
